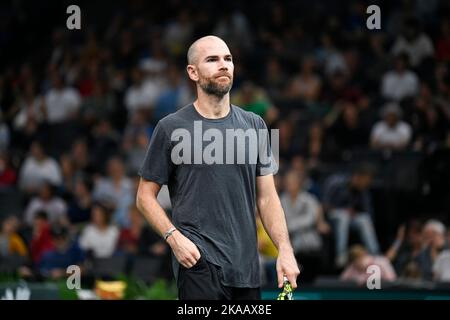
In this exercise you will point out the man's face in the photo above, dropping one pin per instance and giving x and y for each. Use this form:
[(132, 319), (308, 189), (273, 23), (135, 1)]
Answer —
[(213, 67), (391, 119), (362, 263), (115, 168), (293, 182), (415, 238), (362, 181)]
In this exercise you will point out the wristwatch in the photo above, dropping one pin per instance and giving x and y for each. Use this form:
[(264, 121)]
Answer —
[(169, 233)]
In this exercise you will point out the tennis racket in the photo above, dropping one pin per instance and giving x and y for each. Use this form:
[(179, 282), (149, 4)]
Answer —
[(286, 294)]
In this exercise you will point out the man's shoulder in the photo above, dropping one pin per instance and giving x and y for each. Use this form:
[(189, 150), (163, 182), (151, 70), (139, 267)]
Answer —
[(248, 116), (176, 117), (244, 113)]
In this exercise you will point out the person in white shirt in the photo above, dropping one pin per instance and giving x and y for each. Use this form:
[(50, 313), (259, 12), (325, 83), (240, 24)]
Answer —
[(143, 93), (304, 215), (61, 103), (416, 44), (441, 267), (54, 206), (38, 168), (116, 189), (30, 109), (100, 237), (391, 133), (400, 83)]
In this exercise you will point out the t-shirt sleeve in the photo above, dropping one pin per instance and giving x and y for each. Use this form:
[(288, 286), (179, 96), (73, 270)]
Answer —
[(266, 163), (157, 165)]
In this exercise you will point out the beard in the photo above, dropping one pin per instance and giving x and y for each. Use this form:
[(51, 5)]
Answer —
[(211, 87)]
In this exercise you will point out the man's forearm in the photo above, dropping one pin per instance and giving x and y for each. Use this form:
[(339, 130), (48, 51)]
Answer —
[(184, 249), (155, 214), (274, 221)]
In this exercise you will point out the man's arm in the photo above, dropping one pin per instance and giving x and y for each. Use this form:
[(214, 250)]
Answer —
[(184, 249), (274, 221)]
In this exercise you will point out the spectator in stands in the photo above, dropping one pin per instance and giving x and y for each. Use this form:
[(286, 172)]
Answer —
[(42, 240), (360, 260), (139, 239), (99, 238), (391, 133), (307, 84), (8, 174), (441, 267), (347, 131), (304, 214), (68, 174), (54, 262), (274, 78), (79, 208), (429, 120), (416, 44), (178, 32), (134, 127), (11, 243), (331, 57), (38, 168), (80, 153), (305, 221), (176, 95), (101, 104), (117, 189), (136, 152), (254, 99), (47, 201), (443, 42), (104, 144), (29, 111), (399, 83), (406, 247), (5, 135), (348, 202), (141, 95), (434, 243), (62, 103), (289, 145), (339, 88), (376, 59), (317, 149)]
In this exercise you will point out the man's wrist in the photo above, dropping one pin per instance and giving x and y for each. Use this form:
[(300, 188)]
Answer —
[(285, 247), (168, 233)]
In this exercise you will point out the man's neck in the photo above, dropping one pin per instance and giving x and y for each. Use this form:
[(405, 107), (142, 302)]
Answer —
[(212, 107)]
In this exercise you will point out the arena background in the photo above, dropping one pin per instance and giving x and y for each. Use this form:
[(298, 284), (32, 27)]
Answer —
[(78, 108)]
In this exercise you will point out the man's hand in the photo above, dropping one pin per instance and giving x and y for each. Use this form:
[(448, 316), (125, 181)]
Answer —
[(184, 249), (287, 266)]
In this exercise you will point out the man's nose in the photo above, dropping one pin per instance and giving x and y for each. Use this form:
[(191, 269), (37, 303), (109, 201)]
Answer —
[(223, 65)]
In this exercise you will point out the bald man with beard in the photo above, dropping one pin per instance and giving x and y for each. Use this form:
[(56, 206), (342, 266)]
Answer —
[(212, 230)]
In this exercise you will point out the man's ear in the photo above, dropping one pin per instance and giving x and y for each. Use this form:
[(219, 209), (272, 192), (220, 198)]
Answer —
[(192, 72)]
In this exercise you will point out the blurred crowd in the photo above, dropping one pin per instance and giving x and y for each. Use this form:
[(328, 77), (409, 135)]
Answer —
[(363, 117)]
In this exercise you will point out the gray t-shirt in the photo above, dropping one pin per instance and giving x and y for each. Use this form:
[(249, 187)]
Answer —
[(213, 202)]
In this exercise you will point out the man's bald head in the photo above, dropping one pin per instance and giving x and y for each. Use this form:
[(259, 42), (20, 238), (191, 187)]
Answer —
[(210, 65), (203, 44)]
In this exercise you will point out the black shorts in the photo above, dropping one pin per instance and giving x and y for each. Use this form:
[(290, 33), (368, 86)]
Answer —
[(203, 282)]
